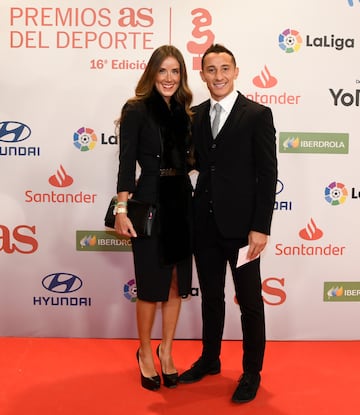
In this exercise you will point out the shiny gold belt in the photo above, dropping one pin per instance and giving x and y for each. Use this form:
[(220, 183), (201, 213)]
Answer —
[(170, 172)]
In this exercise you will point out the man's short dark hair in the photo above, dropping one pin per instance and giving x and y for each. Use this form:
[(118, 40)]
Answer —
[(217, 48)]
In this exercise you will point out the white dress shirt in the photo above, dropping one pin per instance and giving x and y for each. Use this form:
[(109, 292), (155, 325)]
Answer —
[(226, 106)]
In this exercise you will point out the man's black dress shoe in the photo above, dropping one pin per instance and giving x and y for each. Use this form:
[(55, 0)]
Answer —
[(247, 388), (170, 380), (200, 369), (152, 383)]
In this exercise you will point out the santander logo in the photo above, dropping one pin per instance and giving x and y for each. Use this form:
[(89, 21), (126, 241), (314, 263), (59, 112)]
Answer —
[(265, 79), (311, 232), (61, 178)]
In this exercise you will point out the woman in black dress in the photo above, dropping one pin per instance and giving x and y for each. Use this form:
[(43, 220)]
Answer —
[(154, 130)]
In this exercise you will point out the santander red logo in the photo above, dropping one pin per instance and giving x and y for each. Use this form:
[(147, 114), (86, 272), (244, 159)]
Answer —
[(311, 232), (61, 178), (265, 79)]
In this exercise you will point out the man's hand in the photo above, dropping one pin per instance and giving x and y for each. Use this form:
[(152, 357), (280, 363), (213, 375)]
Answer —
[(257, 243)]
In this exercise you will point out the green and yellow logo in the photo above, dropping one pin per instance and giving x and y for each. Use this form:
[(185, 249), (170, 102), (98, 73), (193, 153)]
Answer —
[(329, 143), (101, 241), (335, 291)]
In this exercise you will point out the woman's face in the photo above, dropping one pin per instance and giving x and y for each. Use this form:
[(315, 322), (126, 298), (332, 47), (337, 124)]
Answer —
[(167, 80)]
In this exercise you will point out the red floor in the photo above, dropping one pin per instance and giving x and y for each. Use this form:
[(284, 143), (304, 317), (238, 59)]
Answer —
[(100, 377)]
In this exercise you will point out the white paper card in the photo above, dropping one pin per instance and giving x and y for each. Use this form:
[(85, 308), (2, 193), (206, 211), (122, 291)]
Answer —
[(242, 256)]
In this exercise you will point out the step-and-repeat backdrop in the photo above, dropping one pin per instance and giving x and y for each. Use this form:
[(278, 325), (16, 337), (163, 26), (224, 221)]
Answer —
[(67, 68)]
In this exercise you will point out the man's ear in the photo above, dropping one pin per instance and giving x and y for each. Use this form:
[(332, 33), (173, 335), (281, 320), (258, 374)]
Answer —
[(236, 73)]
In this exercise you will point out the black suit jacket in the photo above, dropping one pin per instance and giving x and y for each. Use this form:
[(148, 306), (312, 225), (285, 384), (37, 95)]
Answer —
[(142, 126), (238, 170)]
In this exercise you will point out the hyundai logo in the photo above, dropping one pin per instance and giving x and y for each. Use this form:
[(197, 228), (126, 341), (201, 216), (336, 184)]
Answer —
[(279, 186), (13, 131), (62, 282)]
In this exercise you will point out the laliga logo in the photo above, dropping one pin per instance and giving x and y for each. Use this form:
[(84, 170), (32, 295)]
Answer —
[(85, 139), (202, 19), (336, 193), (130, 292), (290, 41)]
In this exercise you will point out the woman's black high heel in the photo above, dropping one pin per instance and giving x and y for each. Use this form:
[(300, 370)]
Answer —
[(171, 380), (152, 383)]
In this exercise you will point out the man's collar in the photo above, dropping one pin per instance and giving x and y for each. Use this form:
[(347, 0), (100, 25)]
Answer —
[(227, 102)]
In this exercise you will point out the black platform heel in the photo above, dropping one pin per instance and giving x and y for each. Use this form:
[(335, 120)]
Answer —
[(152, 383), (171, 380)]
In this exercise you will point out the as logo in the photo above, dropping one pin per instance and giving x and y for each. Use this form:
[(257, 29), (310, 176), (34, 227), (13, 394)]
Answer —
[(273, 291), (20, 239), (205, 37)]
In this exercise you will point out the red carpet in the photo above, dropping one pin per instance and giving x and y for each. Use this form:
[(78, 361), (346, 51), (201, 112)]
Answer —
[(100, 377)]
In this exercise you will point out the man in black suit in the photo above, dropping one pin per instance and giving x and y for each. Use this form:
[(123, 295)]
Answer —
[(233, 206)]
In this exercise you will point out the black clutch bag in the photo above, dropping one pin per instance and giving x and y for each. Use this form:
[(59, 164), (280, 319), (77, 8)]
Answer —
[(141, 214)]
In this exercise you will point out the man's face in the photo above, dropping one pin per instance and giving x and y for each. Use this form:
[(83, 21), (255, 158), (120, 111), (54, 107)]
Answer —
[(219, 73)]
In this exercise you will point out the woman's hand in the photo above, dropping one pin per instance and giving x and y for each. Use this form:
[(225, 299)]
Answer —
[(123, 225)]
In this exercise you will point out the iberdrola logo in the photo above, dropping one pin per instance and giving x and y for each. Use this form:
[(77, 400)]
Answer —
[(291, 142), (335, 292)]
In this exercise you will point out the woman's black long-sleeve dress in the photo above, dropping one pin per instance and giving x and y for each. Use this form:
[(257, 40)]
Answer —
[(157, 138)]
